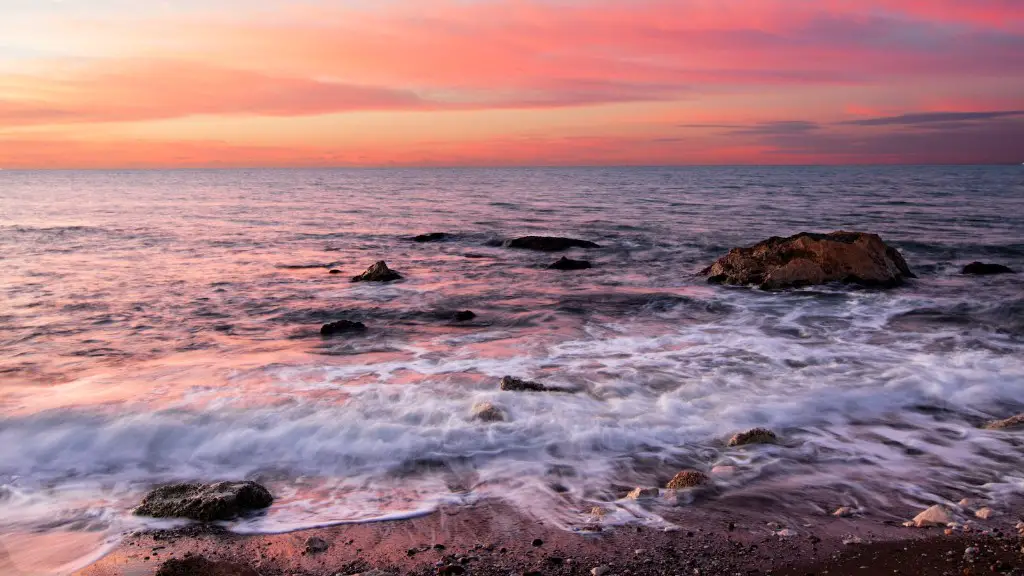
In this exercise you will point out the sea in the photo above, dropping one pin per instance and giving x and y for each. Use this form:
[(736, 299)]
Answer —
[(164, 326)]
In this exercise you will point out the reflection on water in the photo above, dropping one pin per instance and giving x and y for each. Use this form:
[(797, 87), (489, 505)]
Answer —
[(162, 326)]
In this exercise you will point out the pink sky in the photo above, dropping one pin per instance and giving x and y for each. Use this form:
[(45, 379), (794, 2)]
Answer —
[(113, 83)]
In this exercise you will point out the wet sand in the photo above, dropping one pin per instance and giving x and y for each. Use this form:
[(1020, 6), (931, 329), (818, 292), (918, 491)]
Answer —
[(491, 538)]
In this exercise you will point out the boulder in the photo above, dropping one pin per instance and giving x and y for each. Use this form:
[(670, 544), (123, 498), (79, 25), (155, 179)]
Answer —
[(687, 479), (983, 269), (431, 237), (205, 502), (937, 515), (753, 436), (379, 272), (342, 327), (487, 412), (808, 259), (1007, 424), (548, 243), (195, 565), (464, 316), (570, 264)]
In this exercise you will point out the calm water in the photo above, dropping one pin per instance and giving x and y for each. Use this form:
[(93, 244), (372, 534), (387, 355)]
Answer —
[(161, 326)]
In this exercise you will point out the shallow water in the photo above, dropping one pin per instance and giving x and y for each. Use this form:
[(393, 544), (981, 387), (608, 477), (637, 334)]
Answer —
[(161, 326)]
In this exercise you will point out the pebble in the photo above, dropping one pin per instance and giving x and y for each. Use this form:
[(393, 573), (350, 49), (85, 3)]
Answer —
[(844, 512), (641, 493), (785, 533), (985, 513), (937, 515), (599, 571)]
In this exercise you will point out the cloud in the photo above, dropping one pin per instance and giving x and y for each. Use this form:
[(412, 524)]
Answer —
[(933, 117)]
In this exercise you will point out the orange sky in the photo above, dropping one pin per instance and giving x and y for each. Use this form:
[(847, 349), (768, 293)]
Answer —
[(118, 83)]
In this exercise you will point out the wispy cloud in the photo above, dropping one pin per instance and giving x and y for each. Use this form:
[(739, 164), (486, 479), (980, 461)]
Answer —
[(932, 117)]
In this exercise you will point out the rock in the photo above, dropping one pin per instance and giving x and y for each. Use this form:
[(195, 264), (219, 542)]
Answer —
[(808, 259), (985, 513), (983, 269), (316, 545), (464, 316), (431, 237), (195, 565), (379, 272), (537, 543), (785, 533), (334, 271), (342, 327), (205, 502), (487, 412), (598, 512), (753, 436), (1010, 423), (687, 479), (600, 571), (643, 493), (513, 384), (844, 512), (723, 470), (548, 243), (570, 264), (937, 515)]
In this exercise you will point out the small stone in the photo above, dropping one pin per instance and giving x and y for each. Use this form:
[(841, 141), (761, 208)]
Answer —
[(985, 513), (487, 412), (937, 515), (379, 272), (334, 271), (852, 539), (538, 543), (753, 436), (948, 531), (643, 493), (315, 545), (464, 316), (600, 571), (844, 512), (785, 533), (687, 479)]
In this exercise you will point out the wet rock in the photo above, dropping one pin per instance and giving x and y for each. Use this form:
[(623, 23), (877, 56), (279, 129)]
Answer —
[(687, 479), (548, 243), (487, 412), (937, 515), (315, 545), (431, 237), (600, 571), (785, 533), (379, 272), (537, 543), (205, 502), (753, 436), (334, 271), (570, 264), (808, 259), (598, 512), (723, 470), (195, 565), (983, 269), (844, 512), (464, 316), (985, 513), (513, 384), (641, 493), (1010, 423), (342, 327)]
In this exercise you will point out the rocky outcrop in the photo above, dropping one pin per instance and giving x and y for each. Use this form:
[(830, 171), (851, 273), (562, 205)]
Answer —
[(431, 237), (808, 259), (570, 264), (464, 316), (205, 502), (487, 412), (687, 479), (379, 272), (753, 436), (983, 269), (1007, 424), (342, 327), (548, 243)]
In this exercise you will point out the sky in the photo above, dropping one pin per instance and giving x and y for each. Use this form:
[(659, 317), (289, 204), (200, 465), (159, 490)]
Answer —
[(240, 83)]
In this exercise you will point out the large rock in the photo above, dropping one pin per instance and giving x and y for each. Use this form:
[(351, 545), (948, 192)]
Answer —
[(753, 436), (342, 327), (205, 502), (808, 259), (548, 243), (1008, 424), (379, 272), (983, 269), (570, 264)]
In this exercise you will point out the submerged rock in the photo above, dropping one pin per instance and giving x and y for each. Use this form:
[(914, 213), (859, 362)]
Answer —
[(342, 327), (548, 243), (513, 384), (205, 502), (1007, 424), (334, 271), (195, 565), (687, 479), (487, 412), (379, 272), (431, 237), (983, 269), (808, 259), (753, 436), (641, 493), (570, 264), (937, 515), (464, 316)]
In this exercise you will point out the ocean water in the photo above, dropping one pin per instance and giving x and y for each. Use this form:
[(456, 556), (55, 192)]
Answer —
[(164, 326)]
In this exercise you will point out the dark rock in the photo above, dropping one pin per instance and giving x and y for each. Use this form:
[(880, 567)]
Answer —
[(342, 327), (452, 570), (808, 259), (548, 243), (194, 565), (431, 237), (982, 269), (379, 272), (335, 271), (570, 264), (538, 543), (513, 384), (316, 545), (205, 502), (464, 316), (687, 479), (753, 436)]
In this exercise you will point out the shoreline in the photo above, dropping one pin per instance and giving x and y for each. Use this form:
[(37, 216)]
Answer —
[(492, 538)]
